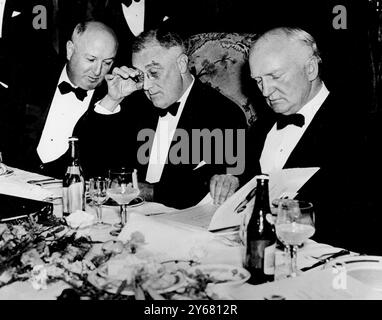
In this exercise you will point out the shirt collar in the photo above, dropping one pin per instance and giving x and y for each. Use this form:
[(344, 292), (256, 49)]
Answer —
[(310, 109), (183, 98)]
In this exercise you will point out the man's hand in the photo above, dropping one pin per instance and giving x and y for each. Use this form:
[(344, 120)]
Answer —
[(222, 187), (121, 82)]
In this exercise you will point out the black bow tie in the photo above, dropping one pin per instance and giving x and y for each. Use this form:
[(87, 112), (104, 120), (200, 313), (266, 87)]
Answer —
[(296, 119), (65, 88), (173, 109)]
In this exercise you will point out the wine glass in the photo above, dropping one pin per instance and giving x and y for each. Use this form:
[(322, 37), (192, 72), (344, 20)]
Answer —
[(97, 192), (122, 188), (294, 225)]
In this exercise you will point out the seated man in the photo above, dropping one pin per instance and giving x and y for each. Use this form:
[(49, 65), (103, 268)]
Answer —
[(309, 127), (179, 137), (47, 103)]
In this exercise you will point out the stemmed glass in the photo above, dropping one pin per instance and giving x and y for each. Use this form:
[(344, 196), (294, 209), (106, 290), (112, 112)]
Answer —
[(122, 188), (97, 192), (294, 225)]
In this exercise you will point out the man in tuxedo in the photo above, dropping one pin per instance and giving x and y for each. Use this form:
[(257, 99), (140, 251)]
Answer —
[(175, 105), (309, 127), (48, 102)]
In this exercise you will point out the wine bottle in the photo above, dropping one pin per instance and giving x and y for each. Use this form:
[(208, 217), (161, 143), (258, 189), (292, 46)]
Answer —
[(73, 183), (261, 236)]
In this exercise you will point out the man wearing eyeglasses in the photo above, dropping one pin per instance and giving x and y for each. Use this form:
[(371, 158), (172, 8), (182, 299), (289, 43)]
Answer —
[(174, 100)]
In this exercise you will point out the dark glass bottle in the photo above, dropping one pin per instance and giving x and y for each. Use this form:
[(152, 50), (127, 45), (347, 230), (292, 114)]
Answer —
[(261, 236), (73, 183)]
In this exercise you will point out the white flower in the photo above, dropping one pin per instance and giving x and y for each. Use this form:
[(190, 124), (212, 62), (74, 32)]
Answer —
[(39, 277)]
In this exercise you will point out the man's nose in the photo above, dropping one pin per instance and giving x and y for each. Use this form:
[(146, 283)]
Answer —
[(267, 88), (147, 83), (97, 68)]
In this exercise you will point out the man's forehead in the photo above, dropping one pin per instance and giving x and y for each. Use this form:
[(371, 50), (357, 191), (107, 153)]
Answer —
[(273, 54), (155, 56), (97, 47)]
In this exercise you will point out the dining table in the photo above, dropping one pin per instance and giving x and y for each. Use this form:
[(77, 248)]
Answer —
[(171, 240)]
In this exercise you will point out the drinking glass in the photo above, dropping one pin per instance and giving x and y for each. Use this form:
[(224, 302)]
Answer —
[(122, 188), (97, 193), (294, 225)]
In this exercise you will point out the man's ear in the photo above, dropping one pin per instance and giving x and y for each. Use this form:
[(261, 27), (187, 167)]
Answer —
[(69, 49), (311, 68), (182, 62)]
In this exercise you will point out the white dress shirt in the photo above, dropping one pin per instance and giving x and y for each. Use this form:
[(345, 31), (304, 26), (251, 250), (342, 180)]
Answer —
[(2, 7), (164, 134), (279, 144), (135, 16), (65, 110)]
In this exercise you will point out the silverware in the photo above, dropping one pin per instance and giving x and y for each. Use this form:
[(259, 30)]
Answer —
[(242, 205), (326, 260), (44, 181)]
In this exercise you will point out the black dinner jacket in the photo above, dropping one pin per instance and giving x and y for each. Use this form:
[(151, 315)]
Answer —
[(180, 186), (334, 142), (27, 112)]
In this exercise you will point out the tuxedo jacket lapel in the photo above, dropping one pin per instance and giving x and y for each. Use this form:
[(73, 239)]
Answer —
[(308, 151)]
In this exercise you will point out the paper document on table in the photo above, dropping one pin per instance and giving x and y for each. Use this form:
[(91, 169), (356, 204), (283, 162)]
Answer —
[(169, 240), (283, 183), (198, 216)]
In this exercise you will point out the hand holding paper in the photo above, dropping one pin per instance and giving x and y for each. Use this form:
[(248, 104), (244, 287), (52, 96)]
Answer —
[(282, 184)]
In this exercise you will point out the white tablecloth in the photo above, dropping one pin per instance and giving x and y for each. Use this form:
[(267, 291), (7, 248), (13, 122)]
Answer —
[(171, 240)]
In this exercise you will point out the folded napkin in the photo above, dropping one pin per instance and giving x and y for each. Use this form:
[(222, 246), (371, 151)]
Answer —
[(318, 285), (80, 219), (23, 190)]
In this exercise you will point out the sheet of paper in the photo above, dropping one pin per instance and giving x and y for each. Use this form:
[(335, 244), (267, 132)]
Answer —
[(169, 240), (152, 208), (282, 183), (198, 216)]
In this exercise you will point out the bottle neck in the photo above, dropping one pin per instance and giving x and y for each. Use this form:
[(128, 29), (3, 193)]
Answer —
[(74, 153), (262, 197)]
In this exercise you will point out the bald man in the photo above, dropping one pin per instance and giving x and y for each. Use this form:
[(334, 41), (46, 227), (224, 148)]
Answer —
[(309, 127), (52, 98)]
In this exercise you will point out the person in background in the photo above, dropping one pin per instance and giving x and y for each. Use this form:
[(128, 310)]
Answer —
[(51, 98), (17, 32), (171, 101), (309, 127)]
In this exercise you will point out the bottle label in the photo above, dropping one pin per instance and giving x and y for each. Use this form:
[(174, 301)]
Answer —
[(269, 259), (74, 198), (261, 256)]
